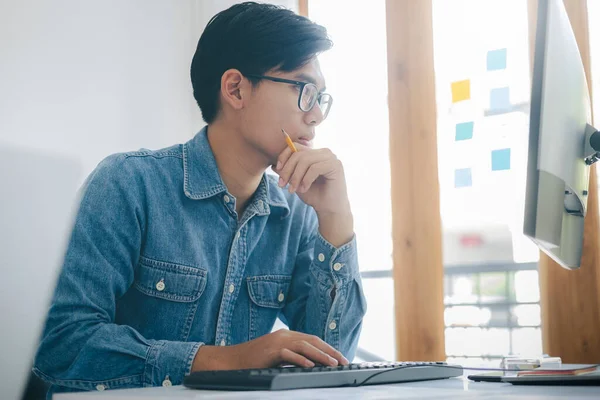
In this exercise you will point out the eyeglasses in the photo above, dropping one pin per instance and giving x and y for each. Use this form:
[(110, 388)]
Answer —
[(309, 94)]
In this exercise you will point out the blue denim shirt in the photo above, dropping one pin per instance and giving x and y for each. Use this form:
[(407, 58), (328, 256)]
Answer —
[(159, 263)]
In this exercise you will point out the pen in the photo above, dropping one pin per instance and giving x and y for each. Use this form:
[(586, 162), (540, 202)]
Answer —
[(289, 142)]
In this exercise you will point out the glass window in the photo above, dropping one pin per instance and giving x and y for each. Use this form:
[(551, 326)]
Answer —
[(481, 58), (358, 132)]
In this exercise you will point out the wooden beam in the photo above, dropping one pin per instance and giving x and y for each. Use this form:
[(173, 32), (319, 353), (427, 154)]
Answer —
[(303, 8), (416, 223), (570, 300)]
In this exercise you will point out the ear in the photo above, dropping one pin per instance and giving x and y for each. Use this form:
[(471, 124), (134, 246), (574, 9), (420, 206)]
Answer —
[(233, 88)]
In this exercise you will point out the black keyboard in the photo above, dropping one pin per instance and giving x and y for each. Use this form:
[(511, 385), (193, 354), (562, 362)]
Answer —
[(301, 378)]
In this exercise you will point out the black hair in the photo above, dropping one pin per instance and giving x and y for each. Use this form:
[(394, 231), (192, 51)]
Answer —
[(252, 38)]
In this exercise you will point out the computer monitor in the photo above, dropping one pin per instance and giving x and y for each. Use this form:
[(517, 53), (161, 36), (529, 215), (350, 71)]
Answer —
[(562, 142)]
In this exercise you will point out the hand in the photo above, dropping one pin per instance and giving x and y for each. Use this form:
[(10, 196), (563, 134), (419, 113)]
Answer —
[(317, 176), (271, 350)]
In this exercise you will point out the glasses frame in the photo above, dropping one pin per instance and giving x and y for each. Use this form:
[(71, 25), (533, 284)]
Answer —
[(302, 85)]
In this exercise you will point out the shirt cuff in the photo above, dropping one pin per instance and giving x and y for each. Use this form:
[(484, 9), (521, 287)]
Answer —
[(169, 362), (340, 263)]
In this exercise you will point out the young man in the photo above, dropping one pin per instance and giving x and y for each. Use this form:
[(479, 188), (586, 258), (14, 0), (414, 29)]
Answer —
[(181, 259)]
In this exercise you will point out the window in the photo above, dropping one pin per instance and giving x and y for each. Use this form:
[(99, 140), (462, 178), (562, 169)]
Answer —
[(481, 56), (481, 52), (357, 130)]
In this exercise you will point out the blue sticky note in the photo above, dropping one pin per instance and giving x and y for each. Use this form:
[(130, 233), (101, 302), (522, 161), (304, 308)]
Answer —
[(496, 60), (500, 159), (464, 131), (462, 178), (500, 99)]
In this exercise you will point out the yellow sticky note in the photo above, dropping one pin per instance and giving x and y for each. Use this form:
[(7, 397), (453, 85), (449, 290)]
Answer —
[(461, 90)]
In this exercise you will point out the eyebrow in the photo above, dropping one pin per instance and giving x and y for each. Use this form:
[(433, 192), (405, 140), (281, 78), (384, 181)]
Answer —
[(308, 78)]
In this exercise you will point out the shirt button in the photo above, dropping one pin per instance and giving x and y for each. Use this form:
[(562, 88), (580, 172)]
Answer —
[(231, 288), (167, 382), (160, 286), (321, 257), (281, 297), (226, 199), (332, 325), (260, 204), (100, 388), (223, 342), (337, 266)]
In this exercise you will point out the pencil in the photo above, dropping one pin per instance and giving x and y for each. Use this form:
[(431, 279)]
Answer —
[(289, 142)]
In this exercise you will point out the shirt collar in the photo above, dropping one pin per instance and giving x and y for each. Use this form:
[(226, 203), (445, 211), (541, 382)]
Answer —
[(201, 178)]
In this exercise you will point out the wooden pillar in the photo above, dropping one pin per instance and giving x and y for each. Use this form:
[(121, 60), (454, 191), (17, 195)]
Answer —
[(416, 223), (570, 300), (303, 8)]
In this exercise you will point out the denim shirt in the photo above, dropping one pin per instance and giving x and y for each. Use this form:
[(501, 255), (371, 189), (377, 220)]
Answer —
[(159, 263)]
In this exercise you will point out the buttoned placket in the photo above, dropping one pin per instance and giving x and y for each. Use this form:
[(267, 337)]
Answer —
[(235, 271)]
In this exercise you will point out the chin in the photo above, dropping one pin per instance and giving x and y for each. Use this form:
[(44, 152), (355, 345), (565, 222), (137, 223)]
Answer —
[(271, 155)]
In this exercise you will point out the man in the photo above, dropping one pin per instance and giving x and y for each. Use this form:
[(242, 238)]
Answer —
[(181, 259)]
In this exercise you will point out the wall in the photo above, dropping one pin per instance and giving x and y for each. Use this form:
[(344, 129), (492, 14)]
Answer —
[(89, 78)]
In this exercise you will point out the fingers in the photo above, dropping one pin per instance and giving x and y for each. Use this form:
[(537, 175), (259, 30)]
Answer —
[(313, 353), (327, 349), (314, 171), (323, 346), (304, 350), (289, 356), (295, 167), (283, 157)]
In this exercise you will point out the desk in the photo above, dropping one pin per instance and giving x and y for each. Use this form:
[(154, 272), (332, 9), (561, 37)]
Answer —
[(455, 388)]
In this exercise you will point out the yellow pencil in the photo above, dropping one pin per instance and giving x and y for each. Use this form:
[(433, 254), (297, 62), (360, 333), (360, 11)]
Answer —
[(289, 142)]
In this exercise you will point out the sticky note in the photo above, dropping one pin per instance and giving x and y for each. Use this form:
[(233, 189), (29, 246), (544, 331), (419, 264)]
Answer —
[(496, 60), (462, 178), (461, 90), (500, 159), (464, 131), (500, 99)]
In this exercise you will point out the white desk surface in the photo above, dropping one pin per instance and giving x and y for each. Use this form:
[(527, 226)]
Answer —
[(455, 388)]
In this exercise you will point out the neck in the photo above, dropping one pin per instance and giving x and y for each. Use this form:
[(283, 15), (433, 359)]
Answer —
[(241, 167)]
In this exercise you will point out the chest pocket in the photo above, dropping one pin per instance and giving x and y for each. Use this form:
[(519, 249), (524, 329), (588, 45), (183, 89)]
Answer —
[(167, 298), (170, 281), (268, 295)]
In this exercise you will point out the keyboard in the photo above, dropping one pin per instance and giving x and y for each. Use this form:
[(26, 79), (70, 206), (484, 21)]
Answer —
[(291, 377)]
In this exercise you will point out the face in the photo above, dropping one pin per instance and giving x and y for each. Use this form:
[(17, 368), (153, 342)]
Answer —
[(270, 106)]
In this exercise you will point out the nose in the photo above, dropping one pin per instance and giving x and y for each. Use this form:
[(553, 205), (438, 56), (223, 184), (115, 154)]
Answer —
[(315, 116)]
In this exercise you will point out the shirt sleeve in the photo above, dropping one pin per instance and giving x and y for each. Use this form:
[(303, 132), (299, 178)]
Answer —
[(327, 299), (81, 346)]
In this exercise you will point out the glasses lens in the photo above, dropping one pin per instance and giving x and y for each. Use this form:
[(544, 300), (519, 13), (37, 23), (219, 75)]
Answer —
[(325, 104), (308, 97)]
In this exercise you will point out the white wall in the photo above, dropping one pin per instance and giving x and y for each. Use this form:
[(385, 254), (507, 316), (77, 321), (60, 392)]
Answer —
[(206, 9), (81, 79), (90, 78)]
